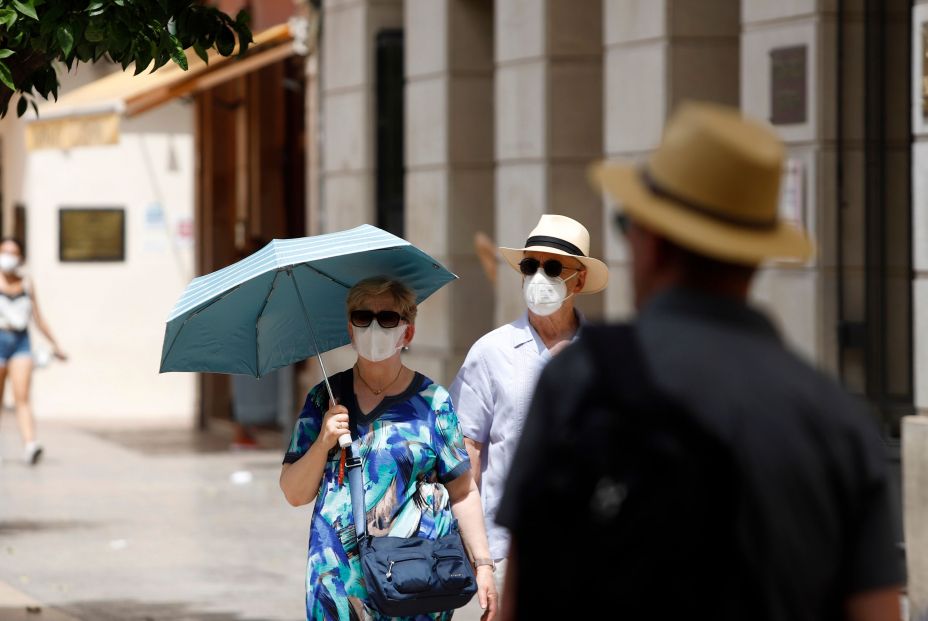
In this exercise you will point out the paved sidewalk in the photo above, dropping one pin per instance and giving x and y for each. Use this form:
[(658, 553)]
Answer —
[(106, 530)]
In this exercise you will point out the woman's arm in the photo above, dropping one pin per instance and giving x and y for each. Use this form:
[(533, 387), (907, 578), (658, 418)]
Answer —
[(466, 507), (42, 326), (300, 480)]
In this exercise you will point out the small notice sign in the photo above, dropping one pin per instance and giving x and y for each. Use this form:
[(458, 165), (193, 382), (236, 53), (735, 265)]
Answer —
[(788, 85)]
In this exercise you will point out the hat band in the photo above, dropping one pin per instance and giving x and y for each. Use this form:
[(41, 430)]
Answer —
[(661, 192), (553, 242)]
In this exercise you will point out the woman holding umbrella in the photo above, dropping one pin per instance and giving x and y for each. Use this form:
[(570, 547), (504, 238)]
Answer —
[(410, 441)]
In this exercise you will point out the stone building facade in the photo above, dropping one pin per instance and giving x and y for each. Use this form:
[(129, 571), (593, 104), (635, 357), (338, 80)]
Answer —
[(506, 102)]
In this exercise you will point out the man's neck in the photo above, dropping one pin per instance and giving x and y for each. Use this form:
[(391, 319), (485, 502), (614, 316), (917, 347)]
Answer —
[(735, 288), (556, 327)]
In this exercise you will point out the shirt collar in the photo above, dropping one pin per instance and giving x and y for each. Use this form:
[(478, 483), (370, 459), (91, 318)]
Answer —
[(732, 312), (525, 333)]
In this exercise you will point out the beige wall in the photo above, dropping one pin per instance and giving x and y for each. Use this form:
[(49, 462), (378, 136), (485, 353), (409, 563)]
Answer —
[(109, 317)]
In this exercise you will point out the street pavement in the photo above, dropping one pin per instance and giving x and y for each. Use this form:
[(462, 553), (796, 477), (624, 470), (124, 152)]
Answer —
[(148, 525)]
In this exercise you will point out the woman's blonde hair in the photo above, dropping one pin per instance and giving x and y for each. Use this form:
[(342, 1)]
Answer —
[(372, 287)]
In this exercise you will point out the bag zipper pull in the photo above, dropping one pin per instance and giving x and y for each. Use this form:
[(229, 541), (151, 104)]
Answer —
[(390, 569)]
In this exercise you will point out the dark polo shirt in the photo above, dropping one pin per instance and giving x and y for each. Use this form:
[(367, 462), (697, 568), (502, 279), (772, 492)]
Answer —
[(816, 517)]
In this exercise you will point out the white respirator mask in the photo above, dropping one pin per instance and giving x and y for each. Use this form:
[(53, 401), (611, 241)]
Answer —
[(375, 343), (8, 262), (545, 294)]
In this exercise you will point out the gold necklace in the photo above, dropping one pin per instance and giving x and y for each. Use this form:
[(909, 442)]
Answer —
[(371, 388)]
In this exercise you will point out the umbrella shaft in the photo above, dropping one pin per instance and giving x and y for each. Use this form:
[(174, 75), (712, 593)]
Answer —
[(312, 335)]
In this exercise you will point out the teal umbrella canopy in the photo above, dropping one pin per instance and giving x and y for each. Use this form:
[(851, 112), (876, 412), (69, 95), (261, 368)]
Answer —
[(286, 302)]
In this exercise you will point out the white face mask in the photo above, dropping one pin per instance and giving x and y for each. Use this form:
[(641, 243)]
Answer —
[(375, 343), (544, 295), (8, 262)]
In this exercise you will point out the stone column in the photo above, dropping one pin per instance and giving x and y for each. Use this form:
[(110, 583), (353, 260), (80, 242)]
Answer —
[(347, 102), (658, 53), (915, 428), (449, 162), (548, 126), (797, 295)]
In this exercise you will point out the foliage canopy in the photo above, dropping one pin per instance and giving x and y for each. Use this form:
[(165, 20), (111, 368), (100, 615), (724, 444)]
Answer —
[(35, 35)]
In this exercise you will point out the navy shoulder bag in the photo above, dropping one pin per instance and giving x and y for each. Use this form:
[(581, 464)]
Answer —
[(407, 576)]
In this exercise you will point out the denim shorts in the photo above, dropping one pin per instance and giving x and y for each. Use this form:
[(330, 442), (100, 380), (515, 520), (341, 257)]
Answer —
[(13, 344)]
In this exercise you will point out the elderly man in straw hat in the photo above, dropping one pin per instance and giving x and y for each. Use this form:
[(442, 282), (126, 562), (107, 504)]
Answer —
[(689, 464), (494, 387)]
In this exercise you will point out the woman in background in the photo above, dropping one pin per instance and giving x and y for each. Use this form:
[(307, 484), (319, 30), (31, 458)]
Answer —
[(17, 306)]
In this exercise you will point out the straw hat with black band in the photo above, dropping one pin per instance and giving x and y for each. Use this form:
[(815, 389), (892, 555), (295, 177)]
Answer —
[(712, 187), (564, 236)]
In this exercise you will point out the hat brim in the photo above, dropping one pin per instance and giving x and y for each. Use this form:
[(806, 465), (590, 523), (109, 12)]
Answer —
[(597, 274), (696, 231)]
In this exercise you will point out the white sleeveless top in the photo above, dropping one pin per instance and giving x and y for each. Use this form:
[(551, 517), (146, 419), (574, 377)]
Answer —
[(15, 310)]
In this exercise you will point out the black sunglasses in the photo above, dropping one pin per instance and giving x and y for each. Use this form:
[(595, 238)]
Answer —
[(552, 267), (386, 319)]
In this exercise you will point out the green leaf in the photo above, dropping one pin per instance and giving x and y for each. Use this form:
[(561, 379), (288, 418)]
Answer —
[(177, 53), (225, 42), (84, 52), (95, 32), (6, 76), (201, 52), (65, 38), (94, 7), (22, 106), (6, 53), (35, 107), (8, 17), (143, 55), (26, 7)]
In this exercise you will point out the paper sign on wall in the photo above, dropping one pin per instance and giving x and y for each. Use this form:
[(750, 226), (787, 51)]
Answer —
[(792, 193)]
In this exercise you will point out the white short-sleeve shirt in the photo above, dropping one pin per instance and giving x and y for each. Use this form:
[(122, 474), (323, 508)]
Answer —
[(491, 395)]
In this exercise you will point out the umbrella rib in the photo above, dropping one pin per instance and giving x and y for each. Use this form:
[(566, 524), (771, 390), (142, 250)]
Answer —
[(324, 275), (267, 299), (312, 333), (191, 316)]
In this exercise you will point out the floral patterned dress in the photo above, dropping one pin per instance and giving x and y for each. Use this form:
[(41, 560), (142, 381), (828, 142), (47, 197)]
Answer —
[(411, 443)]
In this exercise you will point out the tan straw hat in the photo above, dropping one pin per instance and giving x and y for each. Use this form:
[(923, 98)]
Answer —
[(711, 186), (565, 236)]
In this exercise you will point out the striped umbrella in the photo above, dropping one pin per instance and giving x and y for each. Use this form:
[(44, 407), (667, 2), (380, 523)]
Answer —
[(286, 302)]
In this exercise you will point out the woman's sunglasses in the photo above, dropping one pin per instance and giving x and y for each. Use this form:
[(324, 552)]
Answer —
[(552, 267), (386, 319)]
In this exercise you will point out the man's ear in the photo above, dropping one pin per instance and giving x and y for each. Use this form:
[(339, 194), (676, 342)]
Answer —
[(581, 281)]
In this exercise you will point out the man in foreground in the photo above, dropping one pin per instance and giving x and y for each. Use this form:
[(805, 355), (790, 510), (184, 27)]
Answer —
[(702, 468)]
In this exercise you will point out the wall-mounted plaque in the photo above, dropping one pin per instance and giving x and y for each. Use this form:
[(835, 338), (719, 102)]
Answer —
[(91, 234), (788, 85)]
